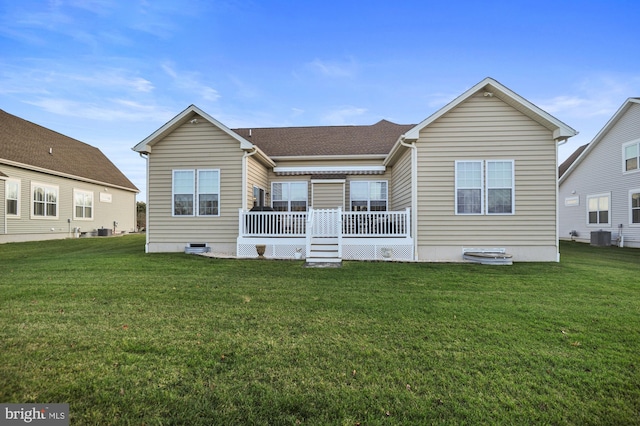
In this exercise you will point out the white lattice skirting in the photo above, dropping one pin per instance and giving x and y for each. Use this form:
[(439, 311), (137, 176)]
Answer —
[(382, 251), (352, 248)]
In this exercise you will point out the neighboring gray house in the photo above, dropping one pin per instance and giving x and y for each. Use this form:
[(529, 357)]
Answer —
[(480, 173), (53, 186), (600, 187)]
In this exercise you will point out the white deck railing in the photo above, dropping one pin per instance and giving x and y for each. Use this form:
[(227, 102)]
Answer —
[(376, 224), (354, 224), (273, 224)]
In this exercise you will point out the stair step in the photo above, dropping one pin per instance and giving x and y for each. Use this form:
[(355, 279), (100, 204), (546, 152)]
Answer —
[(324, 240), (323, 260), (324, 254)]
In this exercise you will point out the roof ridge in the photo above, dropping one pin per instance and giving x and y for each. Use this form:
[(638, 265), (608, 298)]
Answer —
[(334, 126)]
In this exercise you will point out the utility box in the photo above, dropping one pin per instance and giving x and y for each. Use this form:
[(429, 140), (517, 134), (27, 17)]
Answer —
[(104, 232), (601, 238)]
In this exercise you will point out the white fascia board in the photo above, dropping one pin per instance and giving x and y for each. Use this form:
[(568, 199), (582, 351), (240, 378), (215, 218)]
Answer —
[(328, 157), (64, 175), (599, 136), (564, 131), (262, 155), (330, 169), (328, 180), (146, 144)]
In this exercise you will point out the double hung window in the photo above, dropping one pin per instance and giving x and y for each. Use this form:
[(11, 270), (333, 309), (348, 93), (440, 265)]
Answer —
[(83, 204), (196, 192), (368, 195), (289, 196), (485, 187), (631, 153), (12, 196), (634, 214), (598, 209), (44, 201)]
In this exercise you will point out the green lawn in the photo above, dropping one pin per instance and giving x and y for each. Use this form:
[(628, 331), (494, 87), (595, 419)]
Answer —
[(131, 338)]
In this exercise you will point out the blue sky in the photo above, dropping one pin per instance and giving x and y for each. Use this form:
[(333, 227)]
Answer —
[(109, 73)]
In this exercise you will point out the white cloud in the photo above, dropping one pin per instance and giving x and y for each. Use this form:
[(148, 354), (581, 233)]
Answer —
[(343, 115), (108, 110), (594, 96), (334, 69), (191, 82)]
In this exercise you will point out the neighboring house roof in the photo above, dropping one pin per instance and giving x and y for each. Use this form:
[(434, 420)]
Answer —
[(25, 144), (569, 161), (601, 134), (376, 139)]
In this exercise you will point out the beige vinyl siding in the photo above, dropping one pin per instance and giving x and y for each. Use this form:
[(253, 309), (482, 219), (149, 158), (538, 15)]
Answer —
[(194, 146), (400, 183), (486, 128), (257, 175), (328, 195), (122, 208)]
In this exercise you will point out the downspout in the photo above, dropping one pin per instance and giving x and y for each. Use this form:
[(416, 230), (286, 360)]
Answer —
[(145, 155), (558, 143), (246, 155), (414, 193)]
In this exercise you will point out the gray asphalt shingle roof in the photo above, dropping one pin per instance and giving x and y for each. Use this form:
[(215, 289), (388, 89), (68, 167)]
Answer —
[(374, 139), (24, 142)]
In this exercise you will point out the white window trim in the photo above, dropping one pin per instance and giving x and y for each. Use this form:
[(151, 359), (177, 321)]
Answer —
[(217, 192), (484, 189), (6, 190), (93, 204), (173, 193), (271, 199), (31, 201), (598, 225), (386, 200), (513, 187), (631, 192), (624, 160), (455, 180), (195, 193)]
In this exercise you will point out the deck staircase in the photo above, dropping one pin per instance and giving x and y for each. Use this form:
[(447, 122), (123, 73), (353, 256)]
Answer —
[(324, 237), (324, 250)]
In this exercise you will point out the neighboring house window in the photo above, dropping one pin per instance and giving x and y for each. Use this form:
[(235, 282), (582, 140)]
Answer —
[(631, 154), (484, 187), (289, 196), (634, 196), (368, 196), (12, 191), (82, 204), (45, 200), (196, 192), (598, 209)]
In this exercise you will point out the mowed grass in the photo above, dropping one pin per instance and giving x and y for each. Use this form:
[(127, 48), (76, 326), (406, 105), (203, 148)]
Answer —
[(131, 338)]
